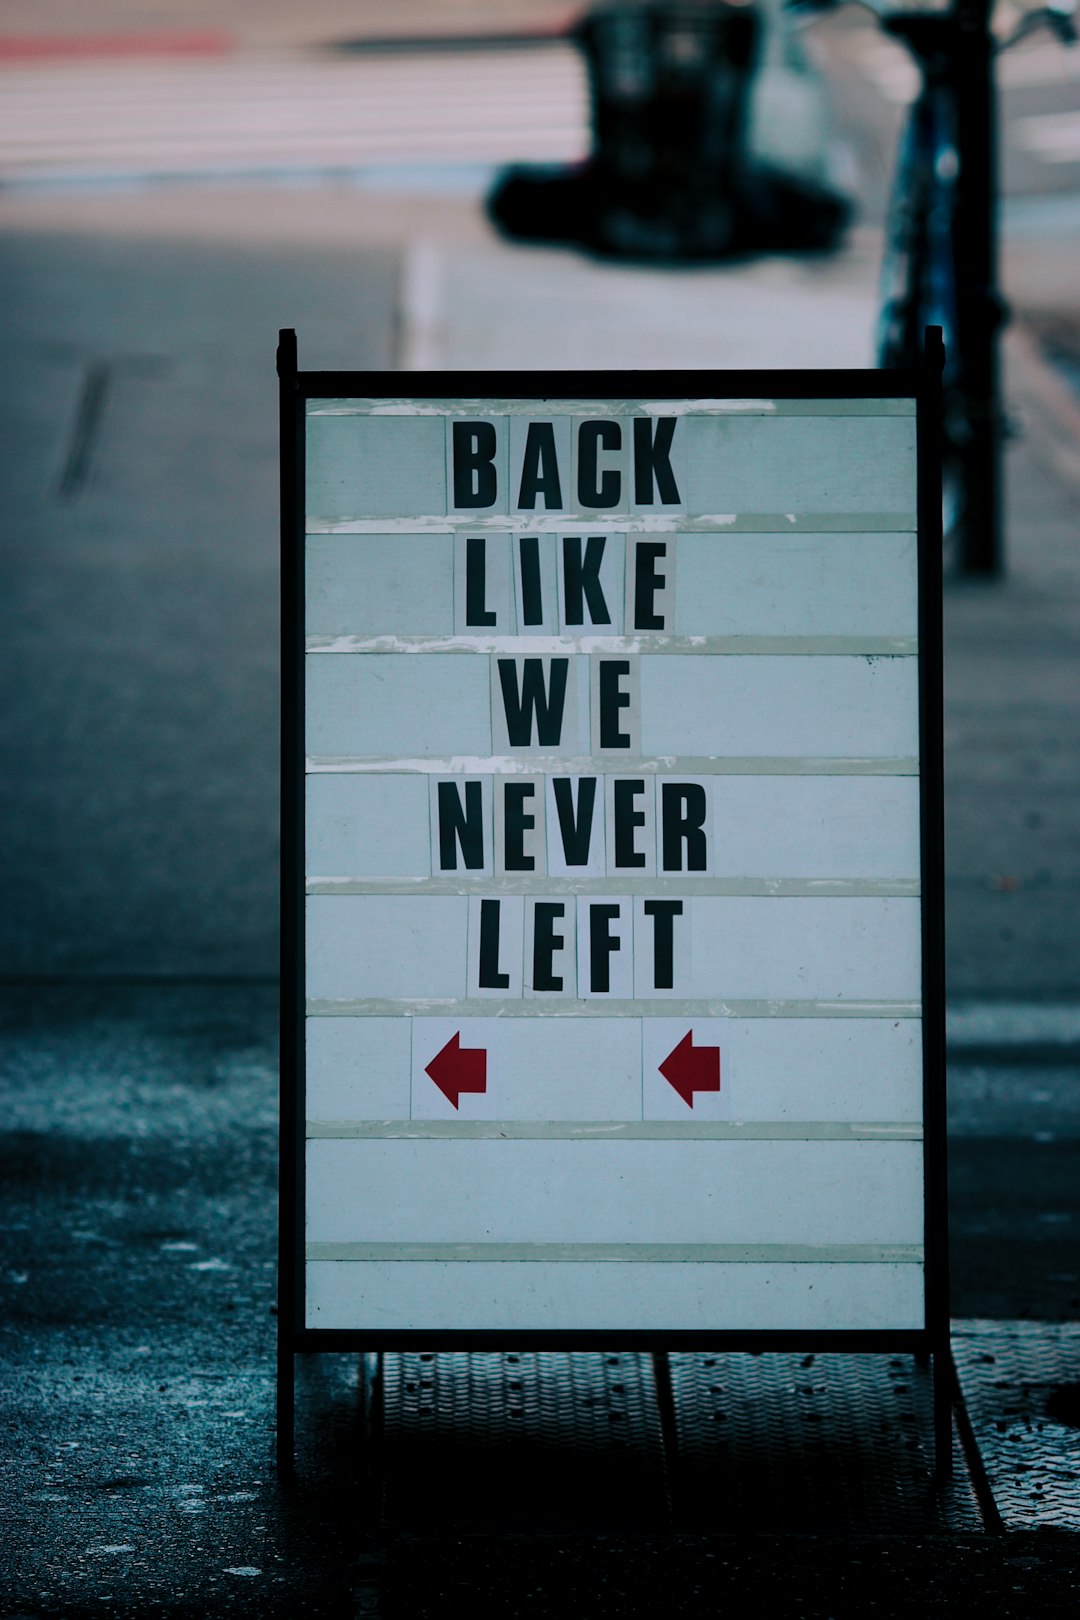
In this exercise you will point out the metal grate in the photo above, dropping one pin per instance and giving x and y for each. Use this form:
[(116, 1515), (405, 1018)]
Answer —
[(528, 1441), (1021, 1386), (813, 1444), (545, 1441)]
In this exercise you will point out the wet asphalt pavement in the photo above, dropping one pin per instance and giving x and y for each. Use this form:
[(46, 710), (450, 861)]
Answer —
[(139, 1232), (139, 1009)]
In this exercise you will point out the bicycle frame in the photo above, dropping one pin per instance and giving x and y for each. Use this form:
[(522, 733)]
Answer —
[(919, 274), (941, 261)]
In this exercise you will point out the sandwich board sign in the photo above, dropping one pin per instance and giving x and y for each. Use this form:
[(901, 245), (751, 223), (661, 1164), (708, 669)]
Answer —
[(612, 871)]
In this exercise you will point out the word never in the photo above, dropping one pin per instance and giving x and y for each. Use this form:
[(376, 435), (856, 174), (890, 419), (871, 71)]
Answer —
[(620, 828)]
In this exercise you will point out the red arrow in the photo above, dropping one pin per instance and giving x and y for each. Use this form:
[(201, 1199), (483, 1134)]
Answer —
[(691, 1068), (458, 1068)]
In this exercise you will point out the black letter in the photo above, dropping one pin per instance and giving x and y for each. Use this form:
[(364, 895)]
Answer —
[(547, 706), (612, 700), (663, 913), (475, 483), (539, 468), (683, 811), (581, 580), (476, 611), (626, 819), (489, 976), (576, 835), (532, 602), (596, 488), (601, 944), (652, 459), (515, 825), (646, 584), (545, 943), (458, 827)]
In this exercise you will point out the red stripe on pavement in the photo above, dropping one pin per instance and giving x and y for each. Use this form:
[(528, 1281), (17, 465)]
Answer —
[(60, 47)]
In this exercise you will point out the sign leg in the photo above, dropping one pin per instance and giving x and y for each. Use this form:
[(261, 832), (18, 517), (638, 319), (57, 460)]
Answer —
[(943, 1375)]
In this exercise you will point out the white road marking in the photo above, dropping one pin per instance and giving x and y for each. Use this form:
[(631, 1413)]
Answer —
[(1055, 137), (420, 305), (73, 122)]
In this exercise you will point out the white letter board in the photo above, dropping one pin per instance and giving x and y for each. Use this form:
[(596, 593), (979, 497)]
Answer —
[(612, 797)]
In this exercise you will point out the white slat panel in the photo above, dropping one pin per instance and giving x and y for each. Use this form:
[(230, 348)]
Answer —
[(796, 464), (821, 1068), (814, 826), (781, 949), (387, 947), (840, 707), (743, 948), (369, 826), (756, 706), (570, 1068), (375, 466), (796, 585), (567, 1069), (483, 1297), (380, 585), (726, 584), (757, 827), (614, 1192), (357, 1068), (384, 704)]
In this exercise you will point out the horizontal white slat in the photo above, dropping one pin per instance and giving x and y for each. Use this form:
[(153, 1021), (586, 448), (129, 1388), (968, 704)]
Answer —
[(728, 1254), (839, 706), (658, 1130), (377, 825), (404, 947), (357, 1068), (544, 1297), (386, 705), (387, 947), (380, 584), (779, 1071), (362, 466), (658, 764), (389, 705), (614, 1192), (375, 466), (817, 464), (796, 584), (746, 585), (601, 1007)]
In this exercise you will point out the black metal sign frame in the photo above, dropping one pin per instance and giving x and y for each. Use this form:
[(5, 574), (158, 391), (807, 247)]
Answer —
[(296, 388)]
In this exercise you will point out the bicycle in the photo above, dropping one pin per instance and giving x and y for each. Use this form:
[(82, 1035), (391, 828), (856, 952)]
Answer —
[(940, 261)]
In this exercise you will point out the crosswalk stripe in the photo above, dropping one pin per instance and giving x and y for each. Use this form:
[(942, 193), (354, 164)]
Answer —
[(497, 107)]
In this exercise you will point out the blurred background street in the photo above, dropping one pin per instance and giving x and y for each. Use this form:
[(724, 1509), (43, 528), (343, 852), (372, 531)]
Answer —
[(177, 182)]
